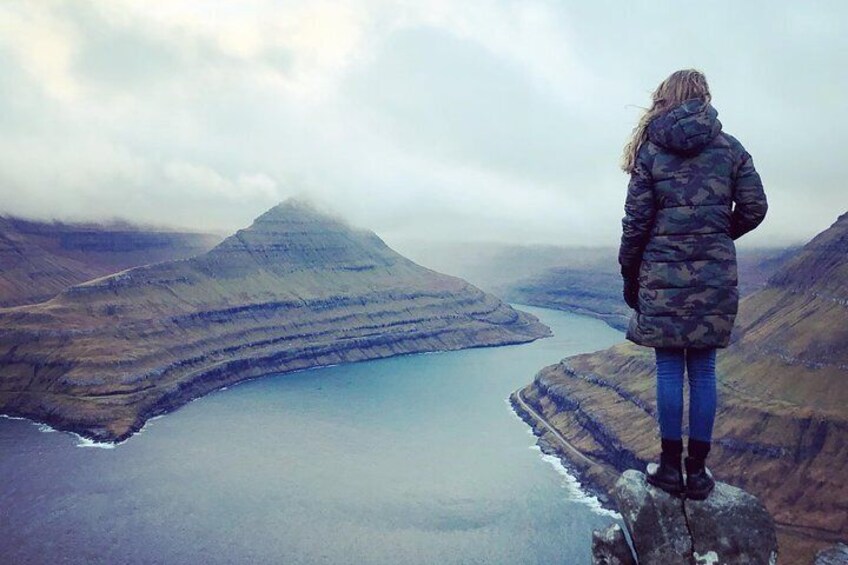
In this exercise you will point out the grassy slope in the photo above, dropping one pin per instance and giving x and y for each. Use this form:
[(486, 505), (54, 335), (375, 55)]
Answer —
[(295, 290), (40, 259), (782, 427)]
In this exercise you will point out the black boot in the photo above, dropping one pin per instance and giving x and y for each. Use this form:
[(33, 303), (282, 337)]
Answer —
[(699, 483), (668, 475)]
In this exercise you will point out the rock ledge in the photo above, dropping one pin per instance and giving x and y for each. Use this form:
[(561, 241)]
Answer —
[(729, 527)]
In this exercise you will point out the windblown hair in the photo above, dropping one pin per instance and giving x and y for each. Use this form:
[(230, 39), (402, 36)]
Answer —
[(678, 87)]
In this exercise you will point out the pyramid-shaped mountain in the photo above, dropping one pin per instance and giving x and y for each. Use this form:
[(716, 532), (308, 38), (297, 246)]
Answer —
[(782, 424), (296, 289)]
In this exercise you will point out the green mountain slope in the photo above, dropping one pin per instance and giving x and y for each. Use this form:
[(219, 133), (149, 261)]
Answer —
[(296, 289), (782, 427)]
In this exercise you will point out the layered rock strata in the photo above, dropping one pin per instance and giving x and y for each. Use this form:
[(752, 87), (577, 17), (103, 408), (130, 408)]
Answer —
[(592, 292), (297, 289), (782, 424)]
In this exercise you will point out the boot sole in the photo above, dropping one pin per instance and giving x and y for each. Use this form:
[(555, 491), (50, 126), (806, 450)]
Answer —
[(699, 494), (675, 490)]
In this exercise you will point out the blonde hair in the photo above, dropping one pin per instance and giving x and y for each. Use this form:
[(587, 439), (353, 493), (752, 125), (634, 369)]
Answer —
[(679, 86)]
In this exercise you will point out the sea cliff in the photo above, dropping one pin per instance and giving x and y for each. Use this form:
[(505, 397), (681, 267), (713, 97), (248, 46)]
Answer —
[(297, 289), (782, 425)]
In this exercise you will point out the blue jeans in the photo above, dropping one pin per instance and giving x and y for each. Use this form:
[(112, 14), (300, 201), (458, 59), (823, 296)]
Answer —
[(700, 367)]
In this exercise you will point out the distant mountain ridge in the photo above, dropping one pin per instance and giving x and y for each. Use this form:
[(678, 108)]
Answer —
[(582, 280), (595, 288), (40, 259), (782, 427), (792, 336), (296, 289)]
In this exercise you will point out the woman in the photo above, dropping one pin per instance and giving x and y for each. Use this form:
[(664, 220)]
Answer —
[(693, 190)]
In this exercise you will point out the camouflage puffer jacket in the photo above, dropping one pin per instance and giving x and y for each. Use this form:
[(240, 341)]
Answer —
[(693, 191)]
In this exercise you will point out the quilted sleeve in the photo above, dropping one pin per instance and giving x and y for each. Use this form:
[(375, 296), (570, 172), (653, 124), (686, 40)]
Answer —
[(750, 204), (640, 211)]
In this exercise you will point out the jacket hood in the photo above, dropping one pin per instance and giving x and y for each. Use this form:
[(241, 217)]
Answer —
[(686, 128)]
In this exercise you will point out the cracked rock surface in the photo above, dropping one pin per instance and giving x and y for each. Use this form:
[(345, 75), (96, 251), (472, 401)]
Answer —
[(730, 527)]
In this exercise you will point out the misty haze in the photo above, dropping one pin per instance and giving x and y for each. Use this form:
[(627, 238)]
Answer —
[(375, 282)]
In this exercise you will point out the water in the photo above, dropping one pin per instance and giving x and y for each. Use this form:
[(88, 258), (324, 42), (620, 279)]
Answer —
[(414, 459)]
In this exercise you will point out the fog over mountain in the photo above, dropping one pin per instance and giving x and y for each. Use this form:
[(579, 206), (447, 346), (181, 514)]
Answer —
[(440, 120)]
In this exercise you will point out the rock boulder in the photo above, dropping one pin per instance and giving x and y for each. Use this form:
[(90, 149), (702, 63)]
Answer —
[(730, 527), (609, 547)]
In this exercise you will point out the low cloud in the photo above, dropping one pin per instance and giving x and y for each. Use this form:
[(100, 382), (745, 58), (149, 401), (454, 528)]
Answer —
[(482, 120)]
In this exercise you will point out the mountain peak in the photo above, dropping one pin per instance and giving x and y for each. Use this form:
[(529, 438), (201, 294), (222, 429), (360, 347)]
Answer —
[(297, 289), (299, 210), (296, 234)]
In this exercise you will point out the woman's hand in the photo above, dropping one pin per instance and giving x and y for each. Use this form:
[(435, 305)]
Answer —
[(631, 293), (631, 286)]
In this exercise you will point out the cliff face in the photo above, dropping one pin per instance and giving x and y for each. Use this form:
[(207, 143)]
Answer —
[(782, 427), (40, 259), (296, 289), (793, 335)]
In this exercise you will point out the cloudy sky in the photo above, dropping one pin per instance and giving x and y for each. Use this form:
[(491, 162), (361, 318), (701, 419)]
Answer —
[(442, 120)]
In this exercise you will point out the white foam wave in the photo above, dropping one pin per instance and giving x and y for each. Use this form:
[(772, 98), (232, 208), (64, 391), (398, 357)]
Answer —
[(42, 427), (512, 411), (569, 481), (46, 429), (527, 429), (85, 442), (81, 441), (572, 485)]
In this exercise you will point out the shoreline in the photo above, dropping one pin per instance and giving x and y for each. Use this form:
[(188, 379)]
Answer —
[(565, 470), (794, 540), (581, 471), (88, 439)]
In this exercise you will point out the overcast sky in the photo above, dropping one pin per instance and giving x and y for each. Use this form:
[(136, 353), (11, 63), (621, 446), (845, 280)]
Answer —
[(454, 120)]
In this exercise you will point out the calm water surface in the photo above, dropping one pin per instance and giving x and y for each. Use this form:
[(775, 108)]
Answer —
[(414, 459)]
